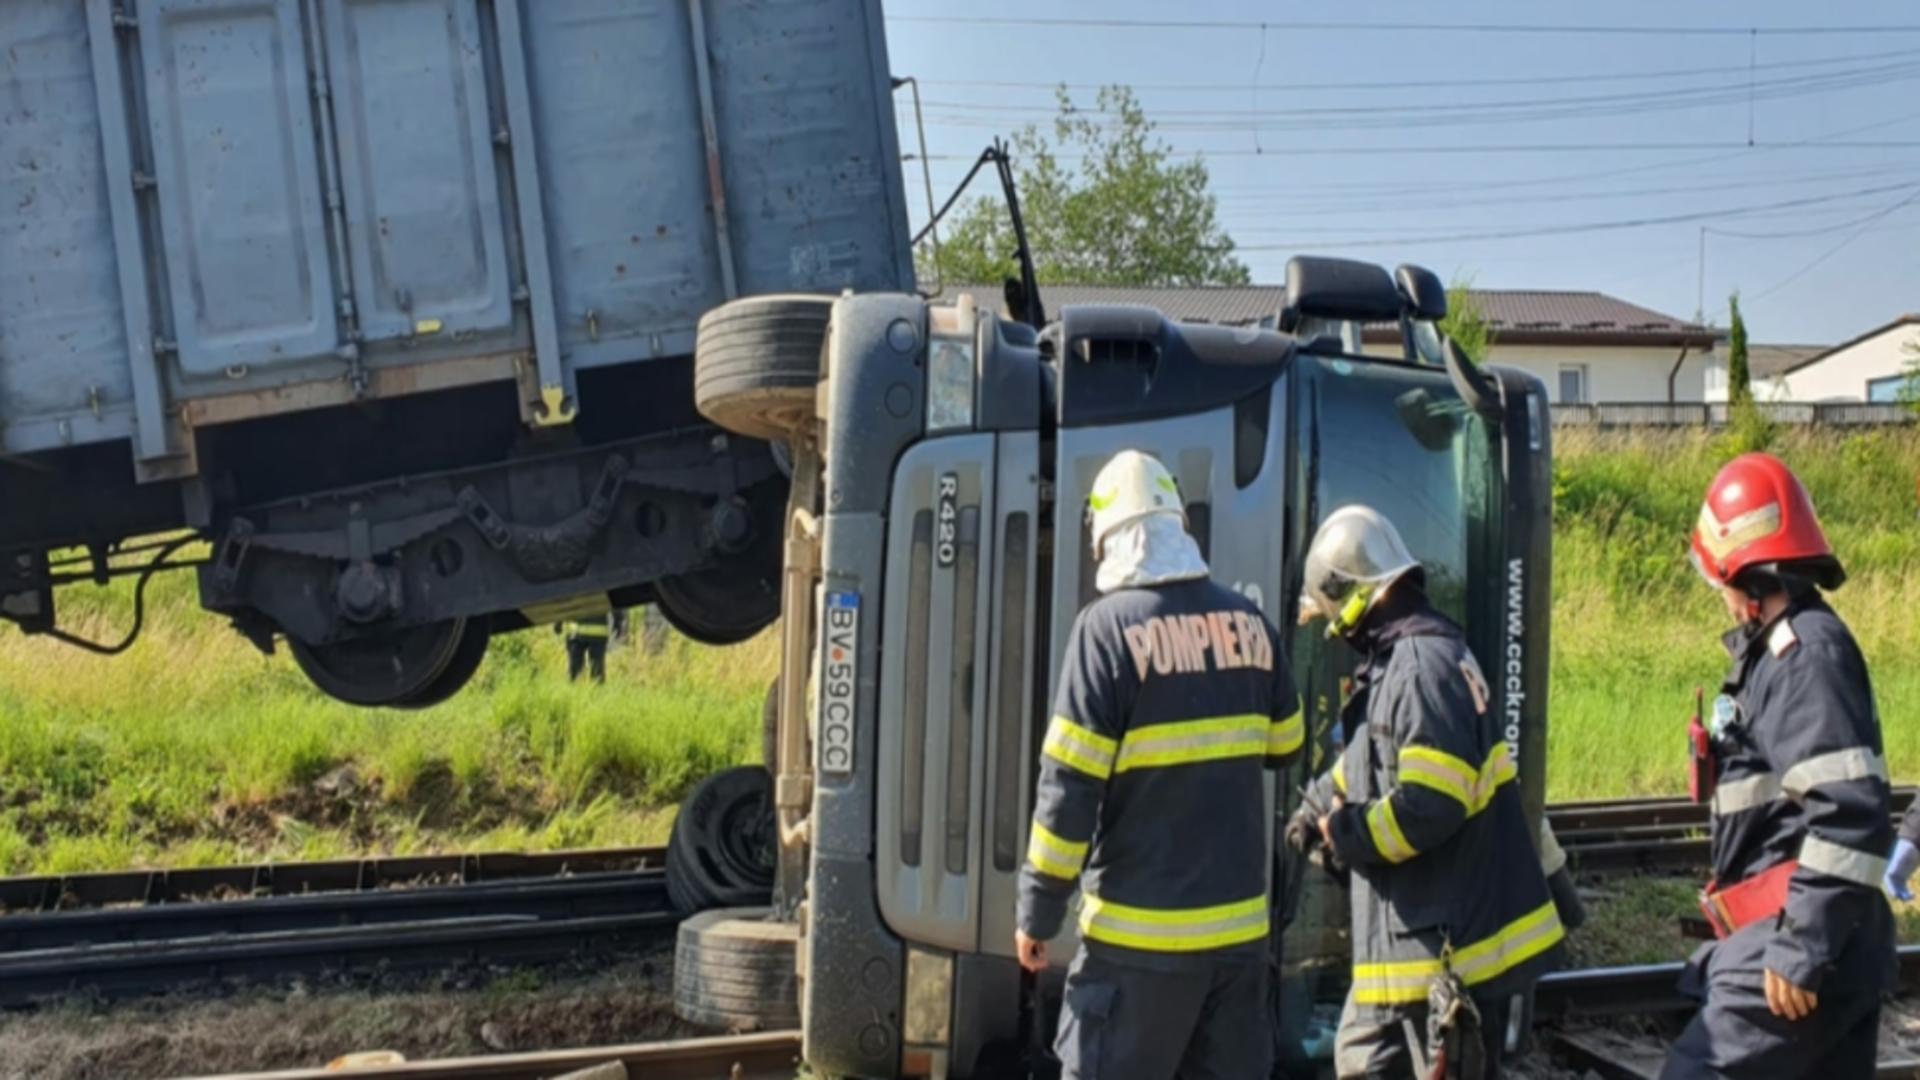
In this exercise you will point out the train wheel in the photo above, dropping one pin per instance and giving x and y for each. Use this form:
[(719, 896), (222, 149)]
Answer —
[(385, 668)]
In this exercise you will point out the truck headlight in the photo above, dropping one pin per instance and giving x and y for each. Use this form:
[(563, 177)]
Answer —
[(950, 366)]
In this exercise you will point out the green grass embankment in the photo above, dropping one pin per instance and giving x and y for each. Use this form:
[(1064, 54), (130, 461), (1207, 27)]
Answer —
[(1635, 629), (193, 749)]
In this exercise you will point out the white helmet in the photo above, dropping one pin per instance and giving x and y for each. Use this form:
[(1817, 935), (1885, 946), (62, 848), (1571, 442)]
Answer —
[(1354, 556), (1131, 485)]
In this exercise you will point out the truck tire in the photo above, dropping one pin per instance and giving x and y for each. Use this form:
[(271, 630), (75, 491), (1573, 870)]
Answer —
[(756, 363), (724, 849), (734, 969)]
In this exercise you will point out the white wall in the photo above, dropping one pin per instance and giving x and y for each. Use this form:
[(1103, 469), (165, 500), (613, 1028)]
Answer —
[(1623, 373), (1843, 376)]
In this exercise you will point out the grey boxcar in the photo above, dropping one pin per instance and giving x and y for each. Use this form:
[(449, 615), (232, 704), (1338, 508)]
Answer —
[(393, 301)]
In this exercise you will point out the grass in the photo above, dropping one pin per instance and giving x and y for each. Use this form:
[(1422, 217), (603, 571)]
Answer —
[(1635, 630), (193, 749)]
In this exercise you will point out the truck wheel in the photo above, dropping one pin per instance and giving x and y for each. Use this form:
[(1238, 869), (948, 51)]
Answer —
[(734, 969), (386, 668), (459, 671), (723, 849), (756, 363)]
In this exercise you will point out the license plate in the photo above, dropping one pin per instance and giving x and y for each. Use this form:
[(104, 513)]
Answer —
[(839, 675)]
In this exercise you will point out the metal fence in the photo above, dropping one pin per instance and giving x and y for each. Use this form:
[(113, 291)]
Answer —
[(1609, 414)]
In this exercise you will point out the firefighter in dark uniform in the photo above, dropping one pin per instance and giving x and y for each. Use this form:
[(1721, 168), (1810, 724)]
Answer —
[(1801, 827), (1174, 697), (587, 646), (1451, 913)]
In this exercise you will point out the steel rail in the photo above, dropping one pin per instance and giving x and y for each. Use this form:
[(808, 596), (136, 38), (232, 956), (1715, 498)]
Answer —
[(137, 968), (636, 892), (1641, 989), (64, 891), (766, 1056)]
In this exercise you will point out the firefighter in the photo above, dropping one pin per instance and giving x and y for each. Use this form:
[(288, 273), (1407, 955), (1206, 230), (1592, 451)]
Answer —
[(1801, 823), (1452, 916), (587, 647), (1174, 695)]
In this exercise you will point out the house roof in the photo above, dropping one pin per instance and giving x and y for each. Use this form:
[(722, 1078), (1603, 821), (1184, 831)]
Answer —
[(1518, 317), (1909, 319), (1766, 361)]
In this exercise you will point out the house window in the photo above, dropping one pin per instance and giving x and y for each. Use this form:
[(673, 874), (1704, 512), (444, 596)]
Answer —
[(1573, 384), (1887, 389)]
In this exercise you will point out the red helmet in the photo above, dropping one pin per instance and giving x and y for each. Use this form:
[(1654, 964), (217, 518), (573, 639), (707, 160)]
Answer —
[(1758, 517)]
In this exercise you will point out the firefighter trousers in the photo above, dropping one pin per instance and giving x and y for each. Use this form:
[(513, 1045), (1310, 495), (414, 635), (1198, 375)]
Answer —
[(1123, 1022), (1735, 1035), (1373, 1045)]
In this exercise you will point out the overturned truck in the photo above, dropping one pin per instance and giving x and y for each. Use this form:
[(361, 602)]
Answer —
[(936, 558)]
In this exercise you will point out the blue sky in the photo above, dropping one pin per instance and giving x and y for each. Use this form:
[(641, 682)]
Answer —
[(1799, 151)]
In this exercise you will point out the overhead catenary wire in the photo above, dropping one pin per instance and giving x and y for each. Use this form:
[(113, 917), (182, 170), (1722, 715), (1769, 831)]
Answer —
[(1344, 27), (1335, 86), (1604, 226), (1863, 225)]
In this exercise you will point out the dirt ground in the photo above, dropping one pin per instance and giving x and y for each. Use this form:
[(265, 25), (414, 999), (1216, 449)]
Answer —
[(627, 999)]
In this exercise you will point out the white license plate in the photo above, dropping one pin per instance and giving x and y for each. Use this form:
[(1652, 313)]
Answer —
[(839, 675)]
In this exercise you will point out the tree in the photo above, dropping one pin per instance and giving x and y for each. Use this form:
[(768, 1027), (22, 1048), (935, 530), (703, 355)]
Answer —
[(1739, 377), (1466, 322), (1128, 214)]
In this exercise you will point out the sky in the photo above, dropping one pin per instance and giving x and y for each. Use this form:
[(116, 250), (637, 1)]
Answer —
[(1518, 145)]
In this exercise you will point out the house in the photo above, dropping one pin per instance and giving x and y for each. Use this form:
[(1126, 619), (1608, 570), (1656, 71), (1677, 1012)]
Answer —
[(1765, 363), (1586, 346), (1872, 367)]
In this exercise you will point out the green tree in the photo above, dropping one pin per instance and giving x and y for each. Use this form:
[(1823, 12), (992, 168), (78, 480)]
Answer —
[(1128, 214), (1466, 322), (1739, 376)]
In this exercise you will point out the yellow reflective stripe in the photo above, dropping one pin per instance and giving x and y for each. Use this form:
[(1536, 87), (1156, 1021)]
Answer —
[(1186, 742), (1386, 832), (1451, 776), (1286, 736), (1441, 771), (1174, 930), (1407, 981), (1080, 748), (1340, 773), (1052, 855)]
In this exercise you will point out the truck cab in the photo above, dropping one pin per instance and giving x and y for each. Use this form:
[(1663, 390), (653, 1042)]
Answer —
[(938, 555)]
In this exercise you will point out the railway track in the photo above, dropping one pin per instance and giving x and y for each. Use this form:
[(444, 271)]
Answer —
[(501, 916), (1655, 834), (117, 934)]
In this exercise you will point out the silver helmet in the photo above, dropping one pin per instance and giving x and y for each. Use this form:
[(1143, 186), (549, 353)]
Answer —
[(1354, 556)]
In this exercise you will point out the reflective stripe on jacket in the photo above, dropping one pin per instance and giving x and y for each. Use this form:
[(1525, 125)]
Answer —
[(1172, 701), (1802, 775), (1445, 871)]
